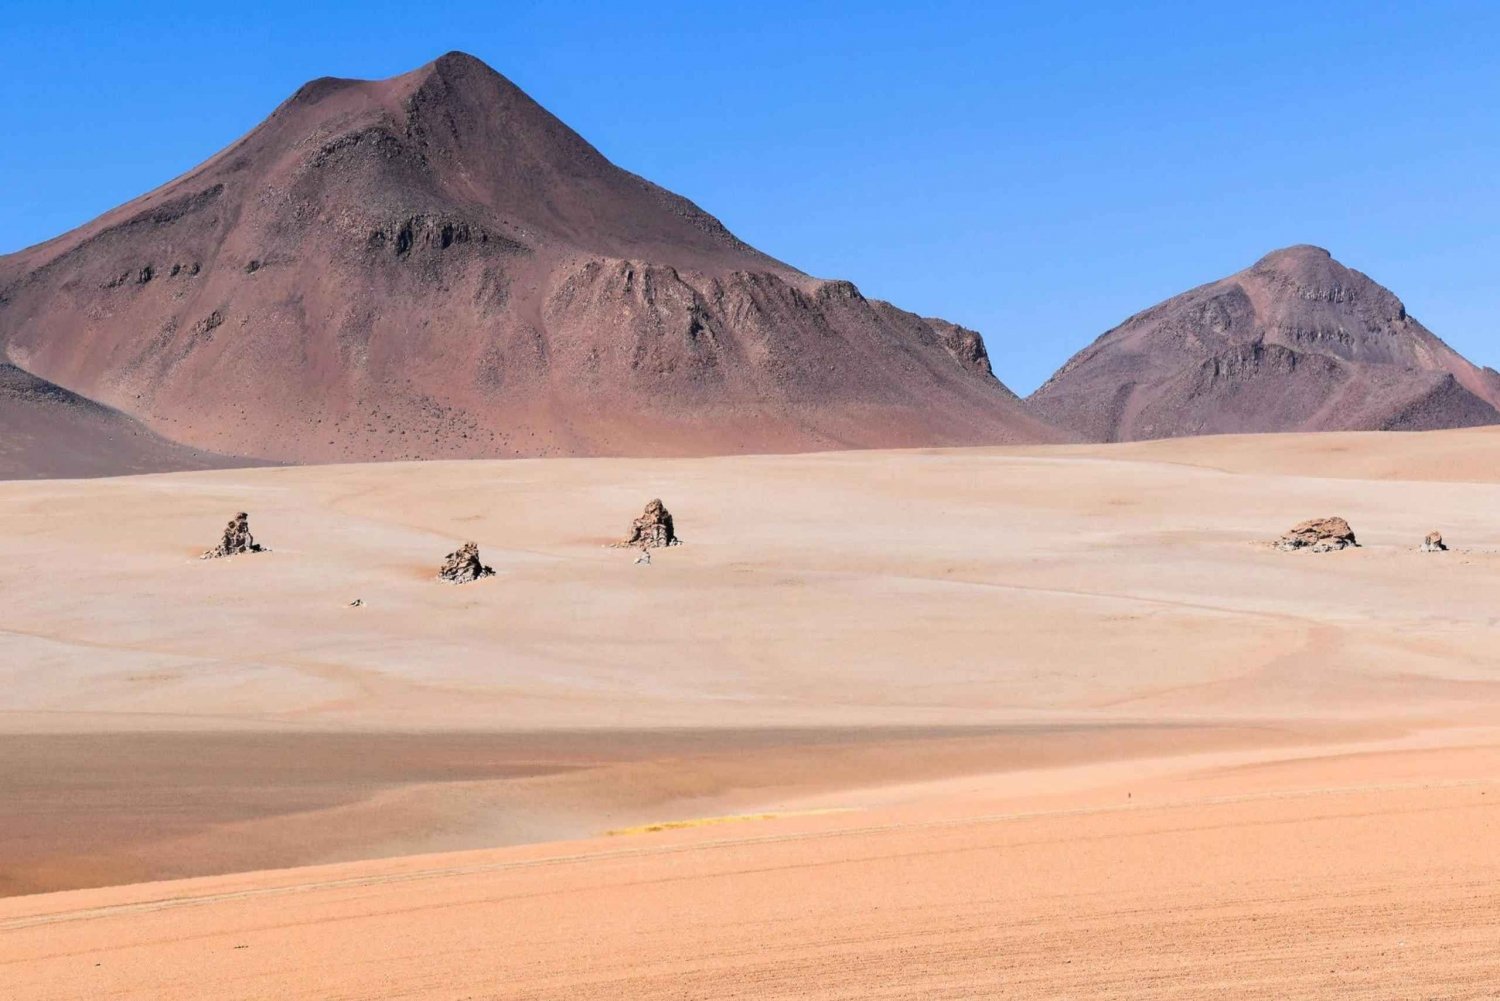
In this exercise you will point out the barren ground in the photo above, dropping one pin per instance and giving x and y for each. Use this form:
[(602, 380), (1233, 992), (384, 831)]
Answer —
[(1013, 723)]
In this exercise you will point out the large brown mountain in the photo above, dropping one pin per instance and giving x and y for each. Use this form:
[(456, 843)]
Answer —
[(433, 265), (1296, 342)]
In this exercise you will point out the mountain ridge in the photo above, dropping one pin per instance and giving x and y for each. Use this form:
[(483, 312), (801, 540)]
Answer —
[(1295, 342), (433, 265)]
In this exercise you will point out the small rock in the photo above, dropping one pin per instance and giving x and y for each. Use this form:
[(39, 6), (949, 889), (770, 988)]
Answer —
[(654, 528), (463, 565), (1434, 543), (644, 559), (1320, 535), (357, 603), (237, 539)]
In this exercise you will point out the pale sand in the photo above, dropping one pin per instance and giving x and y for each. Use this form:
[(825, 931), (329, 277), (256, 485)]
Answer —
[(1202, 767)]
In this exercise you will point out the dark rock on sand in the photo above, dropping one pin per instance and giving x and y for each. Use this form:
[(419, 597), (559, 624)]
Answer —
[(652, 529), (237, 539), (463, 565), (1319, 535)]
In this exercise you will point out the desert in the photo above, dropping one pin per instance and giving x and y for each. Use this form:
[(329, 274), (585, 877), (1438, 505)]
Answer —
[(700, 502), (935, 722)]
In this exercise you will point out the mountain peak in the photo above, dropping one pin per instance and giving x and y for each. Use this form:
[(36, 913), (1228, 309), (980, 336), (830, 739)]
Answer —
[(455, 59), (1295, 342), (460, 69), (1307, 273), (1302, 262), (1297, 253), (433, 265)]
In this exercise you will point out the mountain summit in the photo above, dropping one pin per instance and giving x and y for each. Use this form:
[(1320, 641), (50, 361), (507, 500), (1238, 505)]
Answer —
[(435, 266), (1296, 342)]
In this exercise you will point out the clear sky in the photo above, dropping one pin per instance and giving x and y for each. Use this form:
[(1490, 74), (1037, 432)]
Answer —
[(1036, 171)]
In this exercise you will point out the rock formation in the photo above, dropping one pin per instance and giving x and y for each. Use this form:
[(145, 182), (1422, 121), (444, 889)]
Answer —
[(463, 565), (1434, 543), (237, 539), (1319, 535), (434, 266), (652, 529), (1296, 342)]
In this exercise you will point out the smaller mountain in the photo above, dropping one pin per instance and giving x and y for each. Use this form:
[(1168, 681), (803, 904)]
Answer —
[(47, 432), (1296, 342)]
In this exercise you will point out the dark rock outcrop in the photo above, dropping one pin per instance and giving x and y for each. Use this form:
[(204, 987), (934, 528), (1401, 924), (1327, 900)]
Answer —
[(652, 529), (1319, 535), (237, 539), (463, 565), (1434, 543)]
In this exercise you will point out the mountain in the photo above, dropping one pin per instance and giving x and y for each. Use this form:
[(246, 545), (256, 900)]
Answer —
[(434, 266), (46, 431), (1296, 342)]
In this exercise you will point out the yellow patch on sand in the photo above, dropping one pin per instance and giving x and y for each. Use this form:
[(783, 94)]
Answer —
[(734, 818)]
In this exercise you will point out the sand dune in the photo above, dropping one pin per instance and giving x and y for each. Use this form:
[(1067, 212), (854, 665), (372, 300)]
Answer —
[(1030, 722), (1328, 879)]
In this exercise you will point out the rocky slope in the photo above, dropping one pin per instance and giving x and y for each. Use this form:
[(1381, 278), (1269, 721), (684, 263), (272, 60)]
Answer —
[(46, 431), (1296, 342), (434, 266)]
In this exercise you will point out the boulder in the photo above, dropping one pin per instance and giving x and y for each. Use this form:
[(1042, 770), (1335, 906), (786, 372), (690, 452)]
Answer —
[(1434, 543), (652, 529), (463, 565), (1320, 535), (237, 539)]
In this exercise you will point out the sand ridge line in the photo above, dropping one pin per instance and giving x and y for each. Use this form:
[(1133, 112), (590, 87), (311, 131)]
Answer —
[(442, 872)]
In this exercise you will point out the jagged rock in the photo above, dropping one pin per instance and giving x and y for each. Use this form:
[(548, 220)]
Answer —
[(1319, 535), (654, 528), (644, 559), (463, 566), (1434, 543), (237, 539)]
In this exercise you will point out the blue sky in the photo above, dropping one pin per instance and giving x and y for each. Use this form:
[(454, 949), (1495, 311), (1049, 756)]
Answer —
[(1035, 171)]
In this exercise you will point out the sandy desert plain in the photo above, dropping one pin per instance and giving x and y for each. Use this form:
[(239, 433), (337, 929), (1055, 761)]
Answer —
[(1003, 722)]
